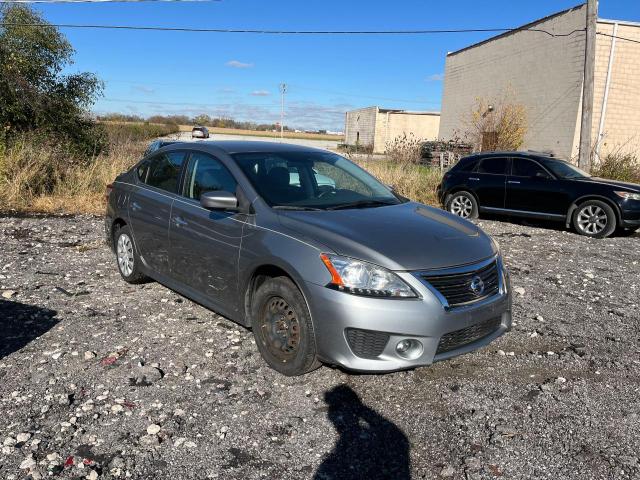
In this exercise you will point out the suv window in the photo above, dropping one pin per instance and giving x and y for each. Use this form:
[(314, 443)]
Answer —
[(495, 165), (206, 174), (163, 171), (521, 167), (465, 165)]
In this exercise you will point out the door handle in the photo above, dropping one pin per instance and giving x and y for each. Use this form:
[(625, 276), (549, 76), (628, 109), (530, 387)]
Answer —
[(135, 206), (474, 178), (179, 221), (513, 181)]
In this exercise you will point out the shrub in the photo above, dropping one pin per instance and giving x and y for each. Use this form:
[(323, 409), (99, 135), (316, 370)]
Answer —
[(405, 149), (619, 166)]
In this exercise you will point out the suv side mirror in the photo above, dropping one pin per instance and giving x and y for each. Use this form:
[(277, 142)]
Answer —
[(219, 200), (543, 176)]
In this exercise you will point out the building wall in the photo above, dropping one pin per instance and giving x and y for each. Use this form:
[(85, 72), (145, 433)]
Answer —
[(542, 72), (621, 129), (394, 125), (360, 126)]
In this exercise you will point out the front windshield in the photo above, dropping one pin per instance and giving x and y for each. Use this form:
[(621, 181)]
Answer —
[(564, 169), (312, 180)]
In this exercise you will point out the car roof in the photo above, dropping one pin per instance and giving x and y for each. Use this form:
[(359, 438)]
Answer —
[(243, 146), (519, 153)]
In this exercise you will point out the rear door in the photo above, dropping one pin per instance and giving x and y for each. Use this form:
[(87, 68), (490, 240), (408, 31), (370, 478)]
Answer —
[(532, 189), (488, 181), (150, 208), (205, 244)]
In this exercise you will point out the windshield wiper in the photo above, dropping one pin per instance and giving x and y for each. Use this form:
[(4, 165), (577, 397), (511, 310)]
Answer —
[(296, 208), (361, 204)]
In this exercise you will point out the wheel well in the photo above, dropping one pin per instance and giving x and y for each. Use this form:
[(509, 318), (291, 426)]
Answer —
[(116, 224), (260, 275), (581, 200)]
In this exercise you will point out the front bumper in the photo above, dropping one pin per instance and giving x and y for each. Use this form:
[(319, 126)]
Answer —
[(425, 319), (630, 213)]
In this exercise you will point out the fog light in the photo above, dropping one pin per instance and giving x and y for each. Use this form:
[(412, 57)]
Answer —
[(409, 349), (403, 346)]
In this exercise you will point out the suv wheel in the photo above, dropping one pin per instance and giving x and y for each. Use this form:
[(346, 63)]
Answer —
[(127, 257), (595, 219), (462, 204), (282, 327)]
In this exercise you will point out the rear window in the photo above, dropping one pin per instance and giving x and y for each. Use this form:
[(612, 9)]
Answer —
[(494, 165), (163, 171)]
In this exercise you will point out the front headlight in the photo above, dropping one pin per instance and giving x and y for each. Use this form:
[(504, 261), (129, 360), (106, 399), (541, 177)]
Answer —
[(628, 195), (363, 278)]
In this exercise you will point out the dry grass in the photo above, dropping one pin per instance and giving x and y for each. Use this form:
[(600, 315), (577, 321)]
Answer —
[(43, 179), (416, 182), (40, 179), (262, 133)]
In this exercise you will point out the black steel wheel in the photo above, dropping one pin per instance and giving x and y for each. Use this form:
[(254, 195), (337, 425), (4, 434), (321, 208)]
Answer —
[(282, 327)]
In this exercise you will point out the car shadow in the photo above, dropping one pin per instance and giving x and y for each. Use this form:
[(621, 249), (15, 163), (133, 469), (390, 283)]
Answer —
[(21, 323), (528, 222), (369, 447)]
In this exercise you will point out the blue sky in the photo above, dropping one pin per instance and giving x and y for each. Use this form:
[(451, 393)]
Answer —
[(238, 74)]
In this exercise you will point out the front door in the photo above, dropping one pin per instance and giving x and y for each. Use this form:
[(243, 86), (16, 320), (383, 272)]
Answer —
[(150, 208), (530, 188), (488, 181), (205, 244)]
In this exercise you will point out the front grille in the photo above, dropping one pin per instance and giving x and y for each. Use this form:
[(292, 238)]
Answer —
[(366, 343), (456, 288), (465, 336)]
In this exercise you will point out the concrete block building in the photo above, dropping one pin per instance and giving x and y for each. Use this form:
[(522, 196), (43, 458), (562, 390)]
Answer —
[(544, 72), (375, 127)]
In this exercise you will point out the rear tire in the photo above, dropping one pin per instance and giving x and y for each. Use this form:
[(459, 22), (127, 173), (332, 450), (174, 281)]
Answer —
[(127, 257), (463, 204), (594, 219), (282, 327)]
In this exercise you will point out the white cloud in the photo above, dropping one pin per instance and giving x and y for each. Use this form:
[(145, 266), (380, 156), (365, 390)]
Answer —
[(260, 93), (143, 89), (238, 64), (436, 77)]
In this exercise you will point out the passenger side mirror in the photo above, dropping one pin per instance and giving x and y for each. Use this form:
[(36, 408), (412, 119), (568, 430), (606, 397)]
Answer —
[(219, 200)]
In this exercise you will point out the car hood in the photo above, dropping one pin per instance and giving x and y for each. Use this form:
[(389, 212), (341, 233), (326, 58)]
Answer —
[(408, 236), (613, 183)]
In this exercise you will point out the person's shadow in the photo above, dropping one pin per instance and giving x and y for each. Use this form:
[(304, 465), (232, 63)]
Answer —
[(370, 446)]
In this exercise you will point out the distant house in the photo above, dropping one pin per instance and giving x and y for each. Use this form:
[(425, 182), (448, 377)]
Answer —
[(374, 127), (545, 74)]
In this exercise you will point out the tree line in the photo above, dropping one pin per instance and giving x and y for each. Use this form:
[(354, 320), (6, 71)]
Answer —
[(202, 119)]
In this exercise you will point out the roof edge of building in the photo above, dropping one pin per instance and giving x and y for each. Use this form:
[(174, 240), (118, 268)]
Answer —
[(517, 30), (627, 23)]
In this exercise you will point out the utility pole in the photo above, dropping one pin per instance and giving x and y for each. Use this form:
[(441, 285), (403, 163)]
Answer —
[(586, 124), (283, 90)]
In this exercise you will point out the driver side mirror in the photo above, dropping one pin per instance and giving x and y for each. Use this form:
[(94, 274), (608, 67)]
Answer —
[(543, 176), (219, 200)]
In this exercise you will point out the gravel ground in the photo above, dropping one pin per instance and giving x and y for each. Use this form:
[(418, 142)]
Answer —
[(101, 379)]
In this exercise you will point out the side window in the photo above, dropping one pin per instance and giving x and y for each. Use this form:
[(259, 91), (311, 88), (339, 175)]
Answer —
[(526, 168), (206, 174), (494, 165), (163, 171), (466, 165)]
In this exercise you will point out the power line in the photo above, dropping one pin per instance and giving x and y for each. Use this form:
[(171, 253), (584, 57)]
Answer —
[(289, 32), (617, 37), (101, 1)]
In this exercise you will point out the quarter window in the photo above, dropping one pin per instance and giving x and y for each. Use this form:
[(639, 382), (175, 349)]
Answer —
[(527, 168), (163, 171), (496, 166), (207, 174)]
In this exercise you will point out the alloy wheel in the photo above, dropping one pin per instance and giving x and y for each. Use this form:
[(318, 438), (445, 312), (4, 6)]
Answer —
[(125, 254), (280, 329), (461, 206), (592, 219)]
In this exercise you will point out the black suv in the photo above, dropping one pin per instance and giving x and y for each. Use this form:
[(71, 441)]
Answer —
[(537, 185)]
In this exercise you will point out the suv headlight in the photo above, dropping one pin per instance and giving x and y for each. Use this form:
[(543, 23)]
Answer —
[(628, 195), (363, 278)]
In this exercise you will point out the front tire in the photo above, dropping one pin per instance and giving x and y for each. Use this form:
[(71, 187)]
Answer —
[(462, 204), (282, 327), (594, 219), (127, 257)]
